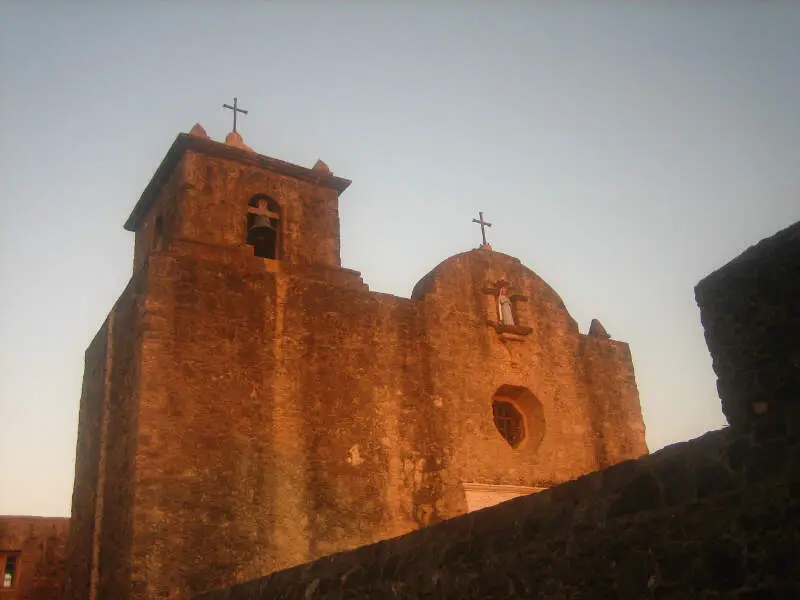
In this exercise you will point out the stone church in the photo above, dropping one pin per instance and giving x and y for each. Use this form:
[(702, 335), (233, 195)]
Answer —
[(249, 404)]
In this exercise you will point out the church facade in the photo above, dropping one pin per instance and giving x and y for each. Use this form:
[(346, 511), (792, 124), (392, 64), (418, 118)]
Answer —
[(249, 404)]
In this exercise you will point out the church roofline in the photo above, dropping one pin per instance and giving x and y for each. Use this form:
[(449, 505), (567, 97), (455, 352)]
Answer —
[(209, 147)]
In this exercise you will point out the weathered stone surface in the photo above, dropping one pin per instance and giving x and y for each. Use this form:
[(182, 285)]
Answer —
[(198, 131), (713, 518), (243, 415), (235, 139), (596, 329), (642, 493), (739, 541), (750, 309), (321, 167), (714, 479), (40, 546)]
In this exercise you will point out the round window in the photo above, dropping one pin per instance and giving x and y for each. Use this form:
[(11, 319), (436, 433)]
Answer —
[(509, 422)]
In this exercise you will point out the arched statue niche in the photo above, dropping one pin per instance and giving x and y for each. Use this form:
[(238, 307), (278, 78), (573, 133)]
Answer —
[(504, 315)]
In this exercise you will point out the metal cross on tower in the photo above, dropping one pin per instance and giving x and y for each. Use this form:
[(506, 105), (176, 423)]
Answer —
[(483, 225), (235, 108)]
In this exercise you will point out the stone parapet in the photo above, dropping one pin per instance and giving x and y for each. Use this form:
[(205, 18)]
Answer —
[(750, 309)]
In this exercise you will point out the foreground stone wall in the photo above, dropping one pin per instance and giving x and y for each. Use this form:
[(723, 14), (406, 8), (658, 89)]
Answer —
[(40, 545), (716, 517), (750, 309)]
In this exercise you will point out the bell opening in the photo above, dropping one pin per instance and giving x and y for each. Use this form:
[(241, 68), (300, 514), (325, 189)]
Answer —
[(263, 223), (262, 239)]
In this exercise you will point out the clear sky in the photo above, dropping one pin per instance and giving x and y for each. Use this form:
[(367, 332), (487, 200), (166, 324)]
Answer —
[(623, 150)]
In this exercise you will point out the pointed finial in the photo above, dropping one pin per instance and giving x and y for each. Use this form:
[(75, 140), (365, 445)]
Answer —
[(235, 139), (321, 168), (198, 131), (597, 330)]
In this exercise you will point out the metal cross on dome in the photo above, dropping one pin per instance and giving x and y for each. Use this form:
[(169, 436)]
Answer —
[(483, 225), (235, 108)]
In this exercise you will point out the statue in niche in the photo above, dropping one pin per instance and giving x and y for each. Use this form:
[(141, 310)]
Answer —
[(504, 299), (504, 306)]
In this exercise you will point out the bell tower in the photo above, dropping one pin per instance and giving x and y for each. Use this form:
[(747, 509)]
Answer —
[(226, 195), (180, 420)]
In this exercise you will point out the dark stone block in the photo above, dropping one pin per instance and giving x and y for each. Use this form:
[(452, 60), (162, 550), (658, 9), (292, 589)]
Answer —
[(616, 476), (358, 577), (674, 565), (672, 592), (770, 426), (781, 555), (391, 567), (633, 574), (713, 595), (494, 584), (706, 521), (721, 566), (674, 531), (520, 586), (643, 493), (678, 483), (766, 461), (762, 594), (756, 519), (749, 308), (531, 528), (737, 453), (713, 480)]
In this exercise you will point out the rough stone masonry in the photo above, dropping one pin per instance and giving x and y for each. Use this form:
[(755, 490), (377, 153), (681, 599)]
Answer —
[(717, 517), (250, 405), (32, 557)]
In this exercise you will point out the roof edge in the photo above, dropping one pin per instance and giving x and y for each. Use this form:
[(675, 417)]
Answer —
[(185, 141)]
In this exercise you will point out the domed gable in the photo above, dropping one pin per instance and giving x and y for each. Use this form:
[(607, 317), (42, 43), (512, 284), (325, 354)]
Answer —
[(477, 273)]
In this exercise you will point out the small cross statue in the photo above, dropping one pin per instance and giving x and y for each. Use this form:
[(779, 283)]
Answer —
[(483, 225), (235, 109)]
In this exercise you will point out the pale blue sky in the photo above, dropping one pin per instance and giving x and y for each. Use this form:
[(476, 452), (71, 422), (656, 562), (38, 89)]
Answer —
[(623, 151)]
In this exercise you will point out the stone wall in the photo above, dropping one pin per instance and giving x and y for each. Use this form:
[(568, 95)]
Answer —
[(246, 415), (750, 309), (287, 413), (87, 467), (585, 386), (40, 544), (102, 500), (716, 517)]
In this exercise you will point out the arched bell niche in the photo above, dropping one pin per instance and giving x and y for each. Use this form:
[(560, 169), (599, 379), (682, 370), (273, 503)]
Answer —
[(264, 226)]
